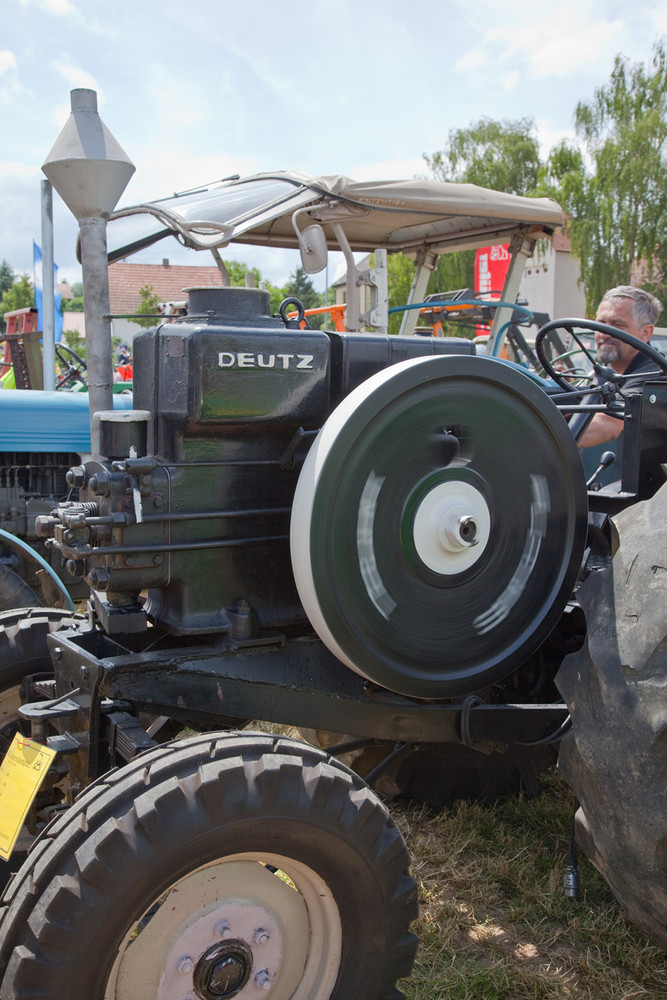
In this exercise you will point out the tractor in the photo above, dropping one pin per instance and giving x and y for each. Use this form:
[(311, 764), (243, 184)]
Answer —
[(385, 542)]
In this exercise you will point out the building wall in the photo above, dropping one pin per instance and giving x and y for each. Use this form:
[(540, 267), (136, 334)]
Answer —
[(550, 284)]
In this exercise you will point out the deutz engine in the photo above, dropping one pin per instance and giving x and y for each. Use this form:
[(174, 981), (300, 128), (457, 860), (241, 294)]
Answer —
[(192, 506)]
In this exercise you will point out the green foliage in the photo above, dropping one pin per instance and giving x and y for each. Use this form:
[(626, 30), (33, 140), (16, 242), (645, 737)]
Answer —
[(74, 304), (19, 296), (301, 287), (501, 155), (148, 305), (6, 277), (454, 271), (76, 342), (619, 209), (401, 271), (237, 270)]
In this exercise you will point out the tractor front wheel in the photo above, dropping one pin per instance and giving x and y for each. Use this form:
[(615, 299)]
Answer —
[(218, 866)]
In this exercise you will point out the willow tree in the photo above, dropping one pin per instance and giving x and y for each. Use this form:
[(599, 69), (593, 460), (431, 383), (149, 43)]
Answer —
[(502, 155), (619, 206)]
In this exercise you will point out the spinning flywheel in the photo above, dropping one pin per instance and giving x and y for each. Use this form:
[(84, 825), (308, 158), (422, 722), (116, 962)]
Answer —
[(438, 525)]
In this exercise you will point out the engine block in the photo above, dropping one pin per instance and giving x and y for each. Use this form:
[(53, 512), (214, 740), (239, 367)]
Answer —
[(190, 504)]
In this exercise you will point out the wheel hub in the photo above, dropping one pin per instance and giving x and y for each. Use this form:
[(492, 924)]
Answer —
[(223, 970), (451, 527)]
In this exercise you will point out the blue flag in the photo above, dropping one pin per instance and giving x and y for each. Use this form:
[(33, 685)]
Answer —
[(57, 297)]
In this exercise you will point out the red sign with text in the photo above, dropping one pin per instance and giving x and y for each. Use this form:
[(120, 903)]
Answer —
[(491, 267)]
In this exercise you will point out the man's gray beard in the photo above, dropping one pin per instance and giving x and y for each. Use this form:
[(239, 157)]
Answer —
[(607, 354)]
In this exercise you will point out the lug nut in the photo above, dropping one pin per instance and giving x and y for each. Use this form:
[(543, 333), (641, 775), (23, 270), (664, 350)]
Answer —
[(263, 979), (185, 964), (261, 936), (222, 929)]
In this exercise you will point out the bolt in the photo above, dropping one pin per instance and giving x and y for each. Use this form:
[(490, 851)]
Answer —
[(158, 560), (652, 398), (222, 929), (76, 477), (185, 964), (263, 979), (99, 578), (468, 530), (58, 653), (261, 936), (75, 567), (84, 671), (99, 484)]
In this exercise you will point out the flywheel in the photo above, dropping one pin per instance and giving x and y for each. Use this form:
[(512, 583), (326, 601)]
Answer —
[(438, 525)]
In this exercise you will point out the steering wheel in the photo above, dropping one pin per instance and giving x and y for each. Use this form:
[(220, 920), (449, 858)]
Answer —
[(591, 326), (73, 372)]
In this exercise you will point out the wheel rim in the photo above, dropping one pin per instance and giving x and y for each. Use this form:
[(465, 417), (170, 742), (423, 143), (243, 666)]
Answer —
[(413, 460), (247, 926)]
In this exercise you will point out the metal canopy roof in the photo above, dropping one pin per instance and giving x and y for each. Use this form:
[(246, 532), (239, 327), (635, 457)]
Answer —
[(395, 215)]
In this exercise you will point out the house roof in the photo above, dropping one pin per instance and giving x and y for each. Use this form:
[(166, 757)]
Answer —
[(166, 280)]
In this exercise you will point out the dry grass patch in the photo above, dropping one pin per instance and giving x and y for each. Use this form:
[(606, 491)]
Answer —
[(494, 923)]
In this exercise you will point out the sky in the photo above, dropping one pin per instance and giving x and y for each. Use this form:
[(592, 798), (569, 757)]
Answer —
[(196, 90)]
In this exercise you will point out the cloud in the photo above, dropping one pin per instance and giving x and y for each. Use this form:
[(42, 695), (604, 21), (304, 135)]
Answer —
[(511, 81), (549, 44), (548, 136), (57, 7), (7, 61), (476, 57), (74, 74), (391, 170), (10, 84), (548, 39)]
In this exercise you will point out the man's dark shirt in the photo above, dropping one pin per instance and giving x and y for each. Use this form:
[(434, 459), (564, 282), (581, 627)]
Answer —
[(642, 369)]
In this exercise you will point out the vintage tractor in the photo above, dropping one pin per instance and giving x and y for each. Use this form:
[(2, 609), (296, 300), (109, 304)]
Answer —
[(351, 533)]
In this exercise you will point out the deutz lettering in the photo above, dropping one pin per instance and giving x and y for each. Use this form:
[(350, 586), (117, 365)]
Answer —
[(240, 359)]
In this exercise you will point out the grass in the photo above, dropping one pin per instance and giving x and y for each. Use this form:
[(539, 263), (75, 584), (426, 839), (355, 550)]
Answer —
[(494, 922)]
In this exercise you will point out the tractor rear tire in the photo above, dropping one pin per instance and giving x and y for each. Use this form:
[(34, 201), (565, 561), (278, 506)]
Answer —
[(14, 591), (218, 866), (615, 757), (24, 651)]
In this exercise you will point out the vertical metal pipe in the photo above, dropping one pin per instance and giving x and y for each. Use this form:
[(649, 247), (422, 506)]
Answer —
[(98, 326), (48, 302), (89, 170)]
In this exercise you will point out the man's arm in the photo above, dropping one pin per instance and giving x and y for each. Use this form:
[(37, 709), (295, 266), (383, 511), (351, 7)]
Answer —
[(602, 428)]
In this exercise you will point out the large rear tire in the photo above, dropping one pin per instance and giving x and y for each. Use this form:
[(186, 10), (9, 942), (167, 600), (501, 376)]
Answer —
[(214, 867), (24, 651), (615, 757), (15, 592)]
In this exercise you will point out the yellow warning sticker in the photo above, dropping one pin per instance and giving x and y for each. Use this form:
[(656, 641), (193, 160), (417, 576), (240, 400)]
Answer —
[(21, 773)]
